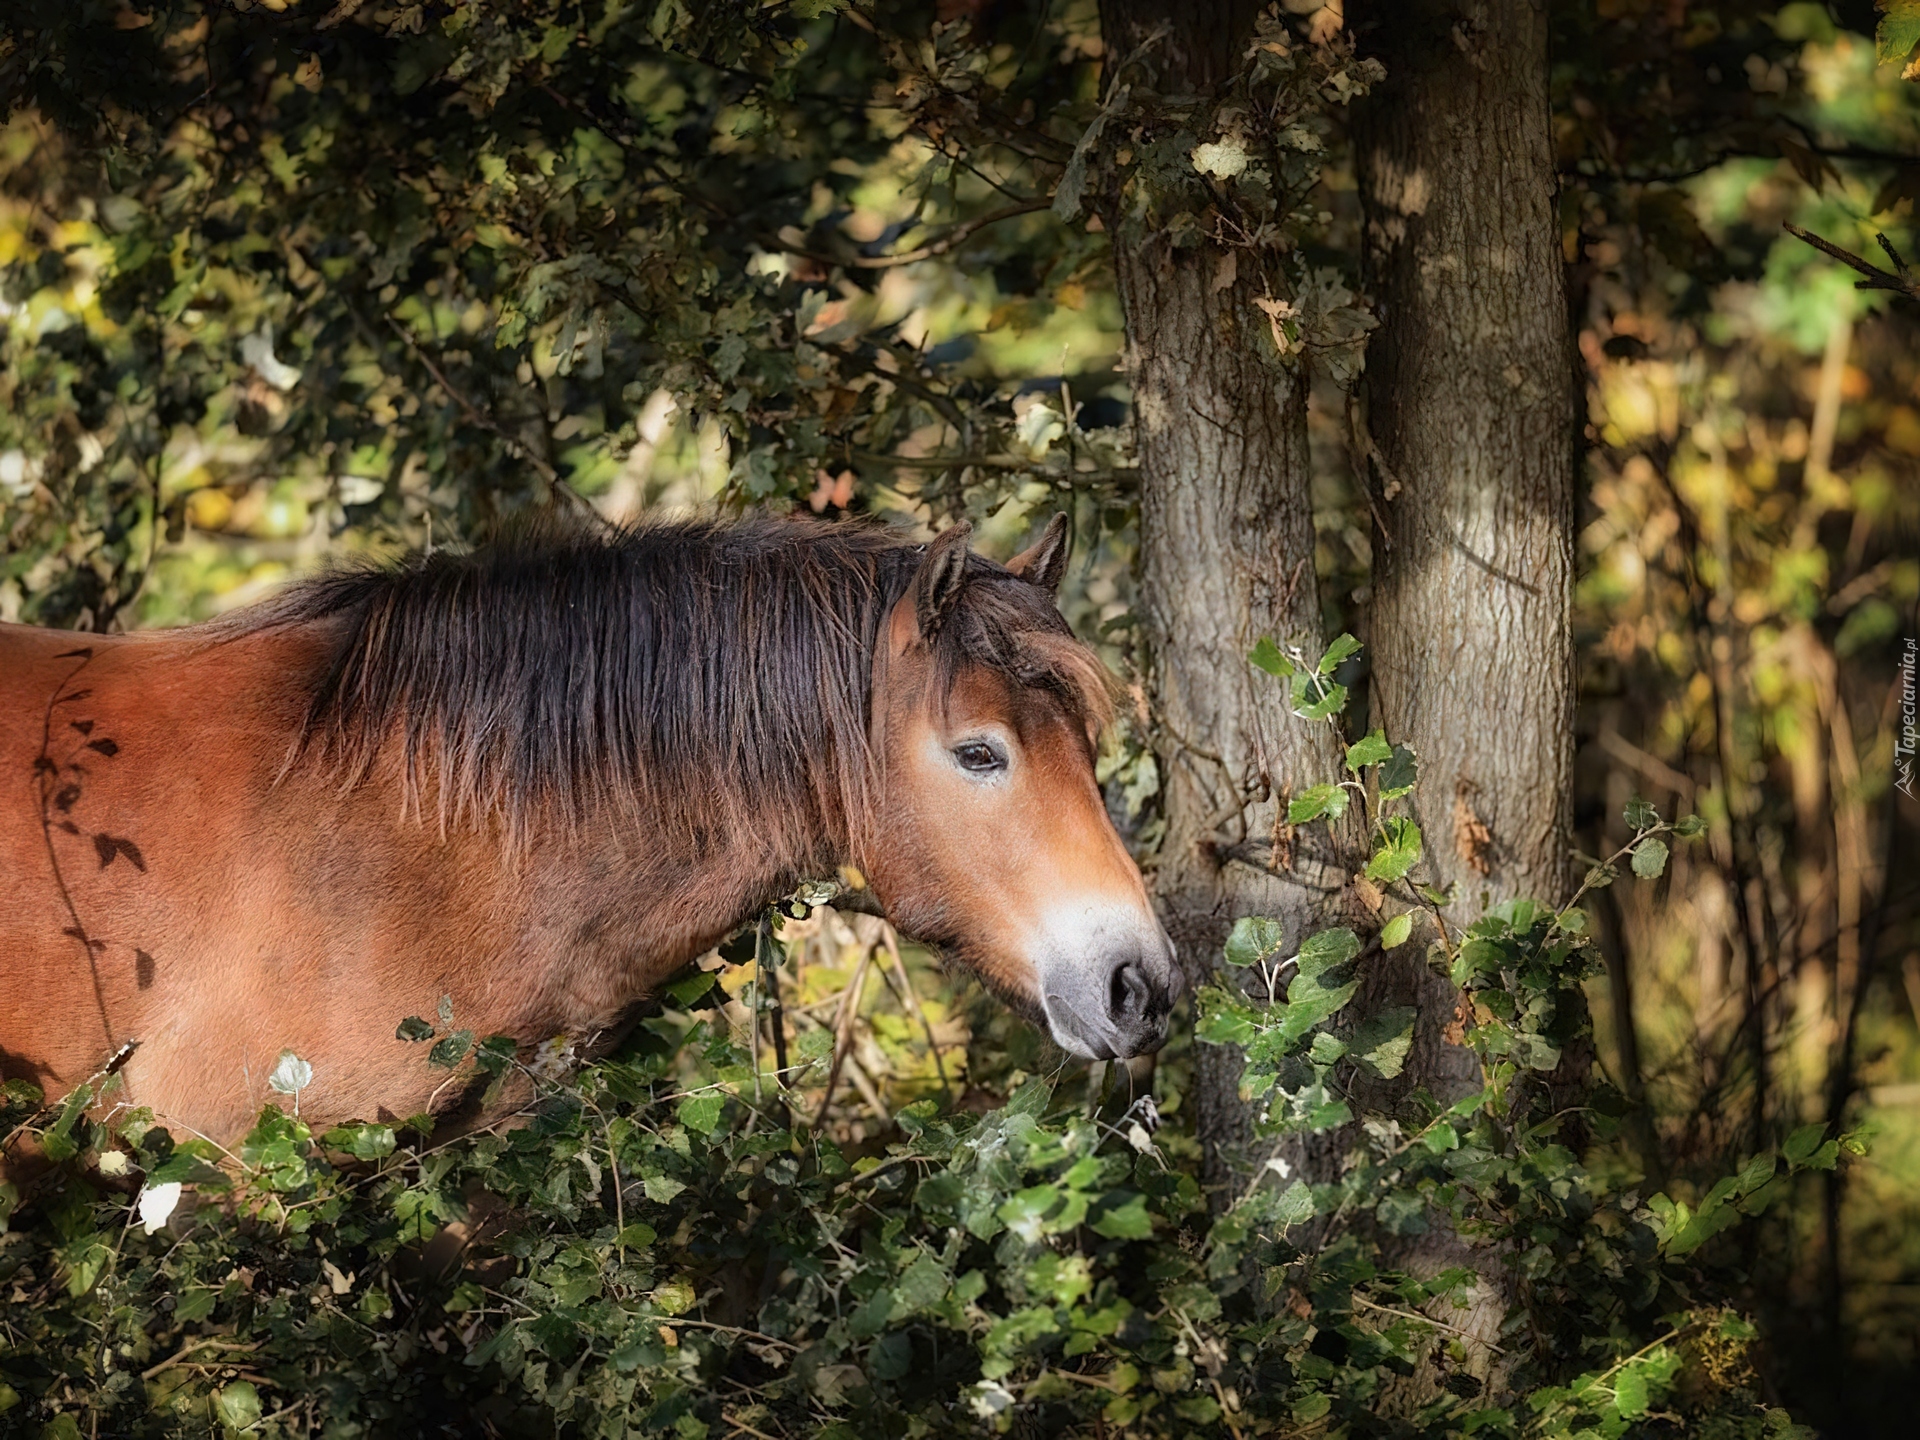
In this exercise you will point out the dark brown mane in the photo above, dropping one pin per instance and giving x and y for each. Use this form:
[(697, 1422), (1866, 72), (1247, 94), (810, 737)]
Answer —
[(714, 677)]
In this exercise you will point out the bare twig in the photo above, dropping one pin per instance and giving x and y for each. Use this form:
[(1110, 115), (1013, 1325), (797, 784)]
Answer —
[(179, 1356), (912, 1002), (1650, 766), (1418, 1318), (951, 238), (472, 411), (1900, 280), (1009, 463), (759, 1335), (515, 445), (843, 1033), (766, 974)]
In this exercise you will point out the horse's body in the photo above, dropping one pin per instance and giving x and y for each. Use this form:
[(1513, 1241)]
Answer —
[(538, 781)]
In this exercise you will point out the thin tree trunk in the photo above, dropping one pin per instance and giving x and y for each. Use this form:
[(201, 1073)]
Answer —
[(1471, 416), (1226, 537)]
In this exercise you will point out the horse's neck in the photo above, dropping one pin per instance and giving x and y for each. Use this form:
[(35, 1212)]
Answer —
[(618, 921)]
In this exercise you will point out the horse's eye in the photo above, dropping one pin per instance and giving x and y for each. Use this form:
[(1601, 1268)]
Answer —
[(978, 757)]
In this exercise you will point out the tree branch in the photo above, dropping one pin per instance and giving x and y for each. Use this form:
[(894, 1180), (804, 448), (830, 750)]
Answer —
[(1900, 280), (951, 238), (515, 446)]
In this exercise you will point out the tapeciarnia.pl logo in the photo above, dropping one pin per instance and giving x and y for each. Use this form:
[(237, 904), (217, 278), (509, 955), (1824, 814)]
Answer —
[(1904, 742)]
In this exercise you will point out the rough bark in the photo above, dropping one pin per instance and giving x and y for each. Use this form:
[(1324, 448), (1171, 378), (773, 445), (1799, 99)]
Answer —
[(1226, 534), (1470, 409)]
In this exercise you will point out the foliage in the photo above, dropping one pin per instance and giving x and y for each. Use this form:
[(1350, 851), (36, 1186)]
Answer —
[(1749, 576), (279, 311), (665, 1250)]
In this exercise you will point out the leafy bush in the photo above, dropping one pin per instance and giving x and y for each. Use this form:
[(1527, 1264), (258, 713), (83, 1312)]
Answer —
[(654, 1246)]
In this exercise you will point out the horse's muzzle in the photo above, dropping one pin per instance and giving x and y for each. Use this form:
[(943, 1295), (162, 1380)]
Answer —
[(1117, 1007)]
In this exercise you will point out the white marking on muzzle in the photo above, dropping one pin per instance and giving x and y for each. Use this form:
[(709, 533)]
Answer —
[(1076, 945)]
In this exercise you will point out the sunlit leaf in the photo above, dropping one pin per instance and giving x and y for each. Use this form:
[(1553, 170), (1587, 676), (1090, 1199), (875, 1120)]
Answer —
[(1370, 751), (1382, 1041), (1266, 655), (1399, 854), (1331, 702), (1650, 859), (701, 1113), (1254, 938), (1328, 800), (1342, 647)]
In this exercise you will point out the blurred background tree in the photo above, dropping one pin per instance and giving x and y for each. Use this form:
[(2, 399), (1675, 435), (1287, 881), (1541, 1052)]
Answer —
[(286, 281)]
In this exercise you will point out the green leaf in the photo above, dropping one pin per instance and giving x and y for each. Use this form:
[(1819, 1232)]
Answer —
[(363, 1141), (701, 1113), (1267, 656), (1756, 1172), (1399, 855), (1252, 939), (676, 1297), (1312, 997), (1381, 1041), (1898, 32), (689, 988), (1225, 1019), (1399, 773), (1340, 649), (1328, 800), (1803, 1142), (451, 1051), (237, 1404), (1125, 1222), (1600, 876), (70, 1112), (922, 1286), (1326, 949), (413, 1028), (1640, 815), (1294, 1205), (1688, 826), (186, 1167), (1630, 1392), (1650, 859), (660, 1188), (1395, 932), (1370, 751), (1331, 703), (1326, 1048)]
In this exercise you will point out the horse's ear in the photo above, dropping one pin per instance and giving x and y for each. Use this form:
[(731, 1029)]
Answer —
[(1045, 561), (942, 576)]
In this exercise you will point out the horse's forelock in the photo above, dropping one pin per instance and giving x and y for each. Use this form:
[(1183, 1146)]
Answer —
[(1007, 625)]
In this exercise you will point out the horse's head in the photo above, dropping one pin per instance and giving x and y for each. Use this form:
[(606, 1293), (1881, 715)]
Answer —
[(990, 836)]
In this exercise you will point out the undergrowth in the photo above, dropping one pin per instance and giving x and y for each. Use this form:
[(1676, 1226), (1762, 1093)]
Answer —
[(658, 1244)]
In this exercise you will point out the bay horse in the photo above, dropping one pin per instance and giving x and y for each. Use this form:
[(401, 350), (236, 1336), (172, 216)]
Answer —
[(539, 778)]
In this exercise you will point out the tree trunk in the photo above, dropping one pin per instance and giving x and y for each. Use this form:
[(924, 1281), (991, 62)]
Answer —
[(1470, 406), (1226, 544)]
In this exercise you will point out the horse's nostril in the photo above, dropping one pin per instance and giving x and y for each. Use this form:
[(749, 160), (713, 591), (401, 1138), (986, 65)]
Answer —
[(1127, 997)]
